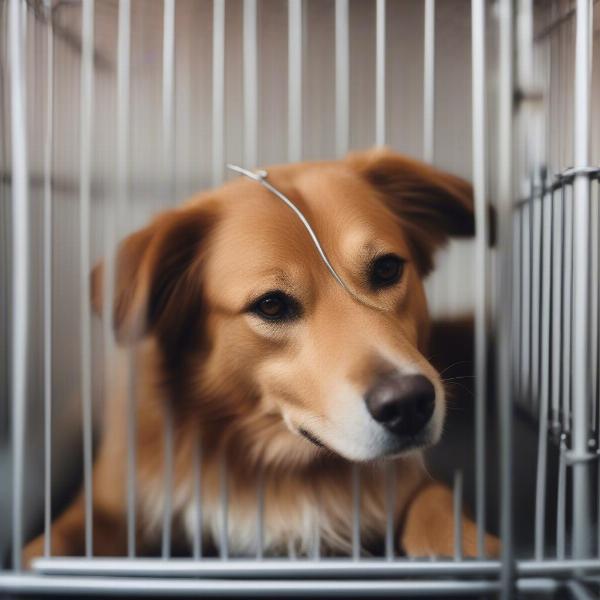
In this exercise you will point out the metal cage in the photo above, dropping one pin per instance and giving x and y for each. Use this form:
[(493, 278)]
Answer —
[(112, 109)]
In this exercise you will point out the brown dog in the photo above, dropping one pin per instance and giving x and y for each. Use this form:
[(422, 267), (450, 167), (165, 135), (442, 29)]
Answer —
[(237, 326)]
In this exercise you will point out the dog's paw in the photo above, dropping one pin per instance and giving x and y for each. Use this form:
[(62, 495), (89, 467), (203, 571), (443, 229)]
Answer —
[(422, 540)]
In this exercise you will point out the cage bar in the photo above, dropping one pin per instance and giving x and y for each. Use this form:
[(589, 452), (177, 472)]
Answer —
[(168, 148), (535, 270), (355, 511), (546, 268), (197, 483), (342, 78), (87, 99), (168, 94), (561, 501), (260, 517), (295, 80), (458, 522), (224, 508), (316, 553), (21, 265), (250, 86), (581, 284), (524, 26), (557, 286), (594, 301), (526, 247), (429, 82), (380, 73), (390, 510), (249, 588), (517, 268), (131, 470), (481, 256), (504, 206), (122, 167), (167, 481), (567, 314), (218, 92), (333, 568), (47, 268)]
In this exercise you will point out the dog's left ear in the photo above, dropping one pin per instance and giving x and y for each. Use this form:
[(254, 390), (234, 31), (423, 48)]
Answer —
[(157, 276), (432, 205)]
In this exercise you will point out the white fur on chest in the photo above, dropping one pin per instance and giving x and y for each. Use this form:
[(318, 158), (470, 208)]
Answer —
[(297, 526)]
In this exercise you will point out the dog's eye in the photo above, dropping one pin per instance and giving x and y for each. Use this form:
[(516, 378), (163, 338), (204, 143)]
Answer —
[(276, 306), (386, 270)]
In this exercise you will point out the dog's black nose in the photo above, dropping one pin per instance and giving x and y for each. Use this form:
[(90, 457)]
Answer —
[(403, 404)]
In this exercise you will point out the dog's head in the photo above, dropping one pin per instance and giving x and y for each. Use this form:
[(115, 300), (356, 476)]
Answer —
[(259, 339)]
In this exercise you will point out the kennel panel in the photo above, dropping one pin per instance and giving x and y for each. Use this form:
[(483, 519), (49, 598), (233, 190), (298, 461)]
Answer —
[(141, 104)]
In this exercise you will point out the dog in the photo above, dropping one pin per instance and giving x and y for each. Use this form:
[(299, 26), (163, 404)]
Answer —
[(270, 371)]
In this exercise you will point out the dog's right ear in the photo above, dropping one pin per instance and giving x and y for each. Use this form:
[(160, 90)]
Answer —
[(157, 274)]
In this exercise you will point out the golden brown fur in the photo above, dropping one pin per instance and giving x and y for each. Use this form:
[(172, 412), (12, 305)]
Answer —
[(245, 388)]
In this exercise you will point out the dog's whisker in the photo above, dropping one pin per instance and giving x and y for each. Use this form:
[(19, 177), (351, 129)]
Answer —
[(446, 379), (454, 364)]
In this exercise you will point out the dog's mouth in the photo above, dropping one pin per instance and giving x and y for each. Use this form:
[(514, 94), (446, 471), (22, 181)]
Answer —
[(311, 438), (407, 445), (396, 449)]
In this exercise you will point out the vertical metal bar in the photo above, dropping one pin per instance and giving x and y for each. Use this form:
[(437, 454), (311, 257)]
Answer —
[(380, 74), (458, 525), (317, 533), (131, 483), (294, 80), (260, 520), (224, 502), (197, 479), (20, 272), (594, 324), (168, 146), (557, 309), (505, 207), (342, 78), (525, 44), (355, 511), (167, 481), (567, 306), (123, 95), (218, 92), (48, 147), (581, 285), (546, 267), (87, 90), (291, 549), (526, 303), (390, 509), (535, 257), (250, 86), (429, 82), (561, 501), (478, 37), (596, 364), (517, 263), (168, 92)]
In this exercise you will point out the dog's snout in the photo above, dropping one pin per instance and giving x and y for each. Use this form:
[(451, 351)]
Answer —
[(403, 404)]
